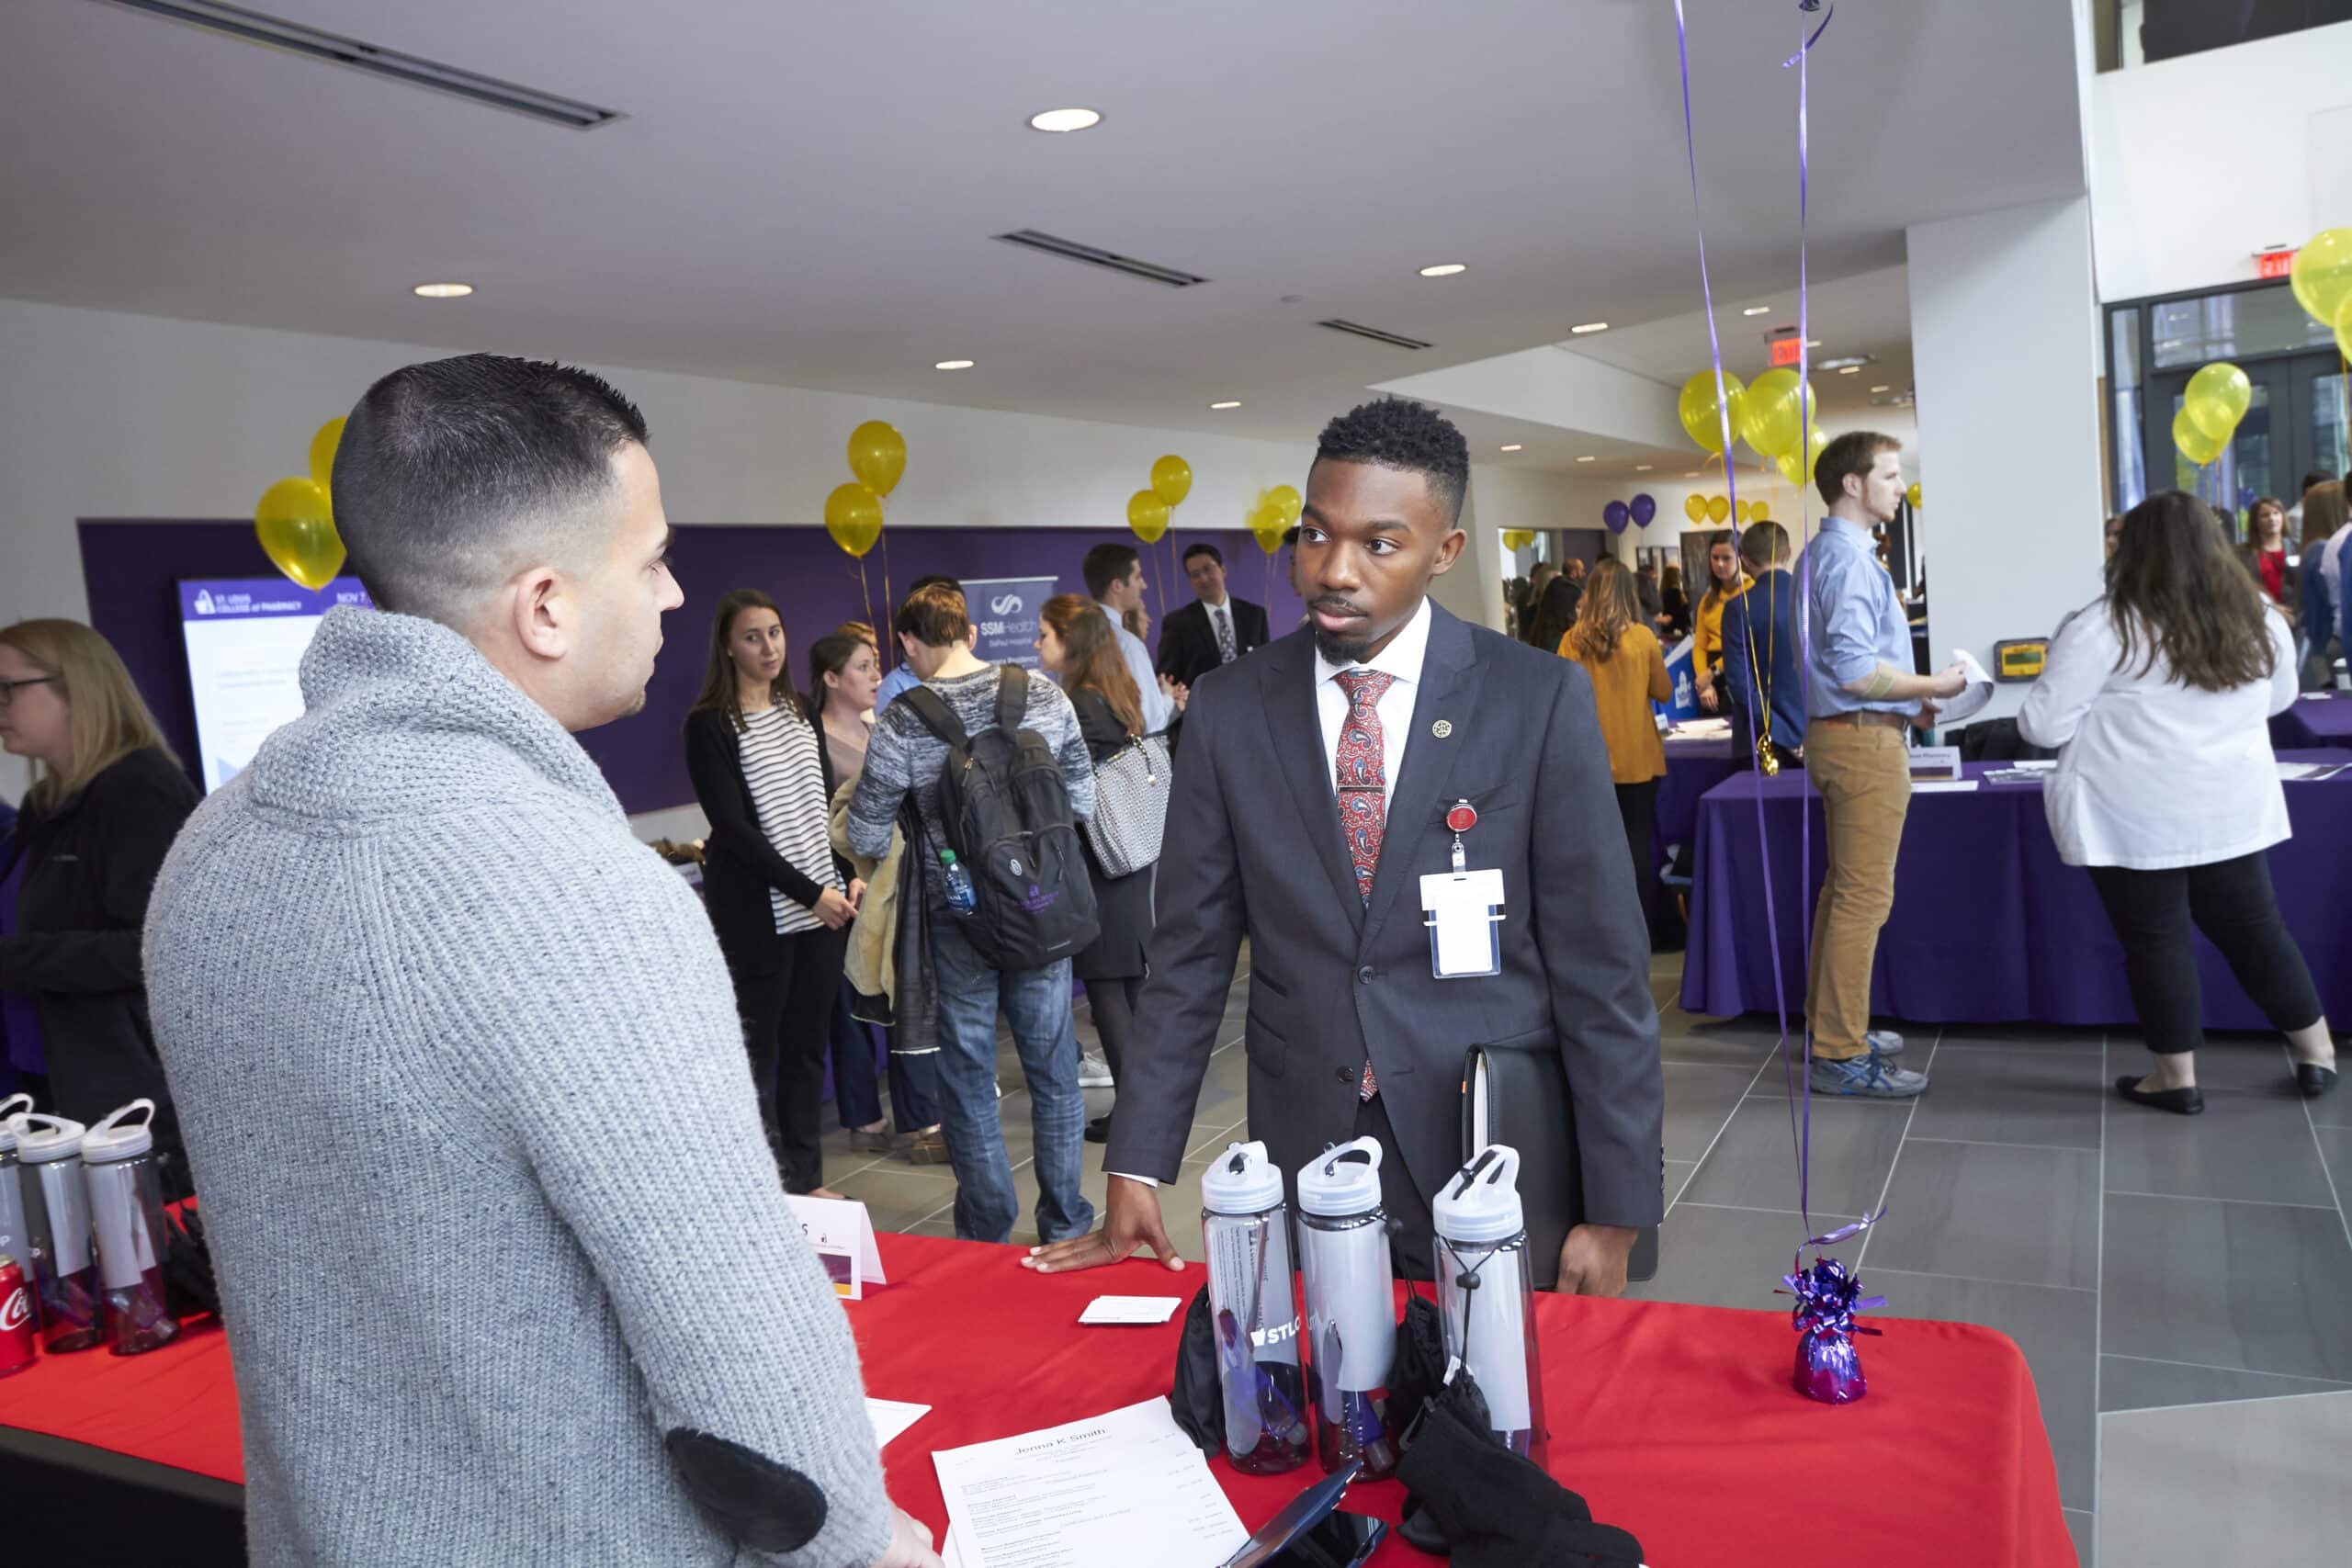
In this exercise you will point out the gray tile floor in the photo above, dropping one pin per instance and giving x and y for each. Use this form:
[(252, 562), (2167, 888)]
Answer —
[(2182, 1288)]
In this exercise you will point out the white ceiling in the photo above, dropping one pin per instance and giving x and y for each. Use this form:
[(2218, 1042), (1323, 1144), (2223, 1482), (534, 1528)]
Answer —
[(804, 194)]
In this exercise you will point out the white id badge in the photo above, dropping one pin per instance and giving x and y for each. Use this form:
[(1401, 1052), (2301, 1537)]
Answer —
[(1465, 908)]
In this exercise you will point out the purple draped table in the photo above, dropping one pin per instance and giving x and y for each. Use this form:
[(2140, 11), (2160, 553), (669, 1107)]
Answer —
[(1692, 768), (1989, 926), (2316, 721)]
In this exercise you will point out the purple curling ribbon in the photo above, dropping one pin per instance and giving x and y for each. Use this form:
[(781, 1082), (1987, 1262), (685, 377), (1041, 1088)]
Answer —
[(1828, 1367)]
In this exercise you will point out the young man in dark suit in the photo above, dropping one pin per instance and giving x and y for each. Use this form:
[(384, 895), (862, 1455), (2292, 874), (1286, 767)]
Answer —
[(1216, 629), (1312, 798)]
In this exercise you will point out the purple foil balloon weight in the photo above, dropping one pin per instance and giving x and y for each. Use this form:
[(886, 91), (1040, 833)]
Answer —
[(1616, 516), (1644, 507), (1829, 1368)]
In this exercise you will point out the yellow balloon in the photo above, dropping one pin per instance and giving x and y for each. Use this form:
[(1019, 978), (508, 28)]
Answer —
[(1694, 507), (1743, 510), (1761, 513), (1912, 495), (2217, 397), (2322, 275), (1171, 479), (297, 531), (1778, 408), (1718, 508), (1518, 538), (1287, 503), (1703, 413), (2195, 444), (1269, 534), (1798, 470), (877, 456), (1147, 515), (2344, 327), (853, 517), (323, 448)]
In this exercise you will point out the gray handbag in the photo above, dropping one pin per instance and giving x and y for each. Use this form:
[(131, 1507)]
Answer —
[(1130, 806)]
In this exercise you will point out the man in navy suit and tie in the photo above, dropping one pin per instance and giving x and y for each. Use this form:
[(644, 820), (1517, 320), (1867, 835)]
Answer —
[(1310, 800)]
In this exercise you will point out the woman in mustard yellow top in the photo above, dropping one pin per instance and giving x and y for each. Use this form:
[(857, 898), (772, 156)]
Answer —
[(1628, 670), (1727, 583)]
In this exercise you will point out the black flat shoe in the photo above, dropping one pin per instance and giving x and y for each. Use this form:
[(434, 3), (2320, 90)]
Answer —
[(2179, 1102), (1098, 1130), (2313, 1079)]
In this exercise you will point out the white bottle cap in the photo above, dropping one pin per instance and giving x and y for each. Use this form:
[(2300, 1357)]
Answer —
[(41, 1138), (1241, 1181), (1480, 1203), (115, 1139), (1342, 1181), (10, 1109)]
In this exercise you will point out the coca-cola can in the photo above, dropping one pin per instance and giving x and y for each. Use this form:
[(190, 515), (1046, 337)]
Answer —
[(17, 1336)]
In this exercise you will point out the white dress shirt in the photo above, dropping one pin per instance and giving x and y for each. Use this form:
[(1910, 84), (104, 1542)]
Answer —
[(2153, 773), (1158, 707), (1402, 658)]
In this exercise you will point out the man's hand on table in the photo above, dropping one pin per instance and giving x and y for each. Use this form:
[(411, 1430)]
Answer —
[(910, 1544), (1592, 1260), (1130, 1222)]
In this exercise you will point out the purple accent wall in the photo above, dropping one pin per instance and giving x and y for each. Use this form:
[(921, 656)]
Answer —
[(130, 570)]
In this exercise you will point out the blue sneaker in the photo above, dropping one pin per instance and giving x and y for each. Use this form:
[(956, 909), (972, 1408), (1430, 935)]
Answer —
[(1871, 1076), (1885, 1041)]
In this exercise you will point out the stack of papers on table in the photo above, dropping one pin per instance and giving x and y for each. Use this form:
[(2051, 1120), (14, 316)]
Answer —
[(1700, 729), (1128, 1488)]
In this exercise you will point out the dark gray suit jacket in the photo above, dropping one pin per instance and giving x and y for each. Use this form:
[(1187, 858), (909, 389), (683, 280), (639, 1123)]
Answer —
[(1253, 843)]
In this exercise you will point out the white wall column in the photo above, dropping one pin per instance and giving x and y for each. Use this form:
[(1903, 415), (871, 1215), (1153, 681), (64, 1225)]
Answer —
[(2005, 341)]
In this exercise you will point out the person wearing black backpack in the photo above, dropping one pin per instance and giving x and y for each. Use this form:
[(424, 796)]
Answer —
[(1000, 777)]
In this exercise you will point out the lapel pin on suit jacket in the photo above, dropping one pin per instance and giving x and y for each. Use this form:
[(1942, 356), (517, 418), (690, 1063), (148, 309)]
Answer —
[(1441, 728)]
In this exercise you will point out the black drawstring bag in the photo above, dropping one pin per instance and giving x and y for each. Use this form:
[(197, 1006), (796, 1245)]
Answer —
[(188, 1287), (1194, 1397), (1490, 1507)]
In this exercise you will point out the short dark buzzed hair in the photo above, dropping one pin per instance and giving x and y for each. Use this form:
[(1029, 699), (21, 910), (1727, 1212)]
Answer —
[(1202, 548), (1107, 564), (455, 474), (1397, 432)]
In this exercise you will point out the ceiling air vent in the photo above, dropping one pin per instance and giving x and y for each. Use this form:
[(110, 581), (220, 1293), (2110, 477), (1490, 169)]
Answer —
[(252, 27), (1055, 245), (1394, 340)]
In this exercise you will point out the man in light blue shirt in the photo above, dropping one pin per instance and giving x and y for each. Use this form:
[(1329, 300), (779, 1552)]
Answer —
[(1861, 697), (1114, 577), (903, 678)]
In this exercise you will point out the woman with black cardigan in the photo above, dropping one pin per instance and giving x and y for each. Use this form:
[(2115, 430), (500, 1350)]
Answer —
[(1074, 642), (779, 898), (107, 799)]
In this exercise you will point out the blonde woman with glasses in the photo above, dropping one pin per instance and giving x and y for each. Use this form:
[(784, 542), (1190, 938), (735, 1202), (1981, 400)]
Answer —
[(108, 798)]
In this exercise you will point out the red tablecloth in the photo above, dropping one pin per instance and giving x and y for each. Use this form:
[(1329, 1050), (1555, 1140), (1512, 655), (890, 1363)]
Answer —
[(1675, 1421)]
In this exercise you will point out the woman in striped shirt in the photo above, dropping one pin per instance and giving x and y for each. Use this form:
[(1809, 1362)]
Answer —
[(779, 899)]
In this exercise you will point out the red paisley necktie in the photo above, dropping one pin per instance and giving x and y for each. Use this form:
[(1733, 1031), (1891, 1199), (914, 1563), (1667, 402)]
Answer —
[(1362, 779)]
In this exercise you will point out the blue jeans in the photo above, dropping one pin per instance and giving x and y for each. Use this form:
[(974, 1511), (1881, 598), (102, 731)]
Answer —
[(1036, 1002)]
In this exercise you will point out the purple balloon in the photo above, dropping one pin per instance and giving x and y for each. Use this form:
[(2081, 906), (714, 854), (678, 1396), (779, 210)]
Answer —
[(1616, 516), (1643, 509)]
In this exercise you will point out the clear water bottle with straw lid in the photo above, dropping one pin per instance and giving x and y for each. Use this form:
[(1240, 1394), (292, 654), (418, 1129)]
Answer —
[(1487, 1294), (1253, 1311), (127, 1210), (1351, 1288), (57, 1219)]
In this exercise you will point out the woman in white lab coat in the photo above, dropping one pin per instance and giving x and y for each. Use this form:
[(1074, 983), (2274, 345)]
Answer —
[(2159, 696)]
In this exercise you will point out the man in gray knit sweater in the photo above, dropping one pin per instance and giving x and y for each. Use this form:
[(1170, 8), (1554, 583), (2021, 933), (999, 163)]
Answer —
[(904, 758), (507, 1271)]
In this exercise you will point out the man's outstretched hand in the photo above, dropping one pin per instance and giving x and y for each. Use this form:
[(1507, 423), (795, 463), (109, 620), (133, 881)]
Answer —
[(1593, 1259), (1131, 1221)]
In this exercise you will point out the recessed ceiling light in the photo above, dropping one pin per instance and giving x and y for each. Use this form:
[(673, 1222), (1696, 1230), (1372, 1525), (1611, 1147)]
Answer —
[(1850, 370), (1584, 460), (1691, 475), (1588, 327), (1233, 403), (1065, 120), (1813, 343), (442, 290), (1514, 447), (1444, 269), (1882, 389), (1758, 310), (952, 364), (1641, 467)]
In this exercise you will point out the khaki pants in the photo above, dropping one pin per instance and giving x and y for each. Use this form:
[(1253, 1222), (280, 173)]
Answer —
[(1864, 776)]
